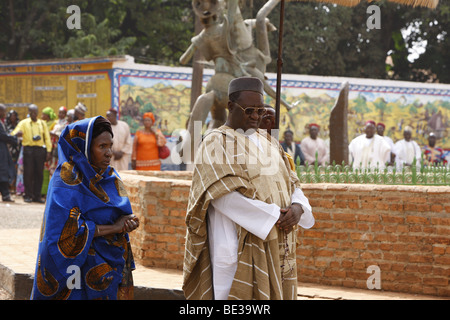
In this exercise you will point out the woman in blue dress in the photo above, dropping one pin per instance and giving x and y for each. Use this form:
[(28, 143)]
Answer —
[(84, 249)]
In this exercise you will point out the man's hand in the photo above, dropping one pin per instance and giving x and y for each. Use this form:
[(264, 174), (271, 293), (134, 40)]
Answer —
[(289, 217)]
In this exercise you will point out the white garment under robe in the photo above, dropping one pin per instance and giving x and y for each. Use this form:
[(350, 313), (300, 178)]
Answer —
[(256, 217)]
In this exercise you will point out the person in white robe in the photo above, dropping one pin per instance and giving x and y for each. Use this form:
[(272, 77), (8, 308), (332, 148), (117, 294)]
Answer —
[(381, 127), (369, 150), (312, 144), (122, 142), (61, 123), (406, 150)]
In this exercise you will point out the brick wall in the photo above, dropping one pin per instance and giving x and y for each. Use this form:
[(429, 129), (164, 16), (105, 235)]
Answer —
[(402, 230), (160, 201)]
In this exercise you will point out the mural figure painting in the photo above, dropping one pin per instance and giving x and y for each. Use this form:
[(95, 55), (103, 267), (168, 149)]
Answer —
[(227, 42)]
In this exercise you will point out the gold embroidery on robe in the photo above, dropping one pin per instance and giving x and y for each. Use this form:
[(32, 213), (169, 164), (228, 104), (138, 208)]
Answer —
[(68, 176), (41, 236), (95, 277), (98, 191), (74, 134), (69, 244), (120, 187), (119, 184), (46, 283)]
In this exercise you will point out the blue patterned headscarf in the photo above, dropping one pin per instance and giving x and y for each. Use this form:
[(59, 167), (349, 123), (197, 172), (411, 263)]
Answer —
[(71, 263)]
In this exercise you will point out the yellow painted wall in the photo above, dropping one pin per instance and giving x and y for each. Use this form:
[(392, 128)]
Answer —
[(57, 85)]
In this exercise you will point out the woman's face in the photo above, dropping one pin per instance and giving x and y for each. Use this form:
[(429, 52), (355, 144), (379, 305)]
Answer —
[(101, 152), (13, 118), (148, 123)]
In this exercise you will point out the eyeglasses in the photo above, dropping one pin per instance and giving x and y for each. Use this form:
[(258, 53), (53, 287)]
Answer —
[(249, 110)]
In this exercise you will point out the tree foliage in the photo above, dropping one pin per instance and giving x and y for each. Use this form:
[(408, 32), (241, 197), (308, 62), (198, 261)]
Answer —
[(319, 39)]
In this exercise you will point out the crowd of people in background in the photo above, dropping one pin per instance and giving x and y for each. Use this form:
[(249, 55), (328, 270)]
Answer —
[(29, 148), (29, 153), (370, 150), (375, 150)]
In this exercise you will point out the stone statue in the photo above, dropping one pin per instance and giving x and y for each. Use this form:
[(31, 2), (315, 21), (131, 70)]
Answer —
[(338, 127), (226, 41)]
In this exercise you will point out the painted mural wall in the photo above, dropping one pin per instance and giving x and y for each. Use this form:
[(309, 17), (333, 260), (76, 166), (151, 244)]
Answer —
[(166, 92)]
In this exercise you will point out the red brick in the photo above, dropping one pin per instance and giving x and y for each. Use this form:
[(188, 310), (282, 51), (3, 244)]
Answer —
[(347, 254), (334, 274), (358, 275), (396, 207), (344, 216), (417, 220), (313, 234), (410, 207), (347, 264), (441, 221), (363, 227), (359, 245), (340, 204), (392, 218), (346, 197), (326, 204), (345, 225), (437, 208), (423, 207), (353, 205), (420, 258), (444, 260), (323, 253), (368, 205), (320, 243), (359, 265), (336, 235), (438, 250), (304, 252), (376, 227), (382, 206), (437, 271), (322, 215), (333, 244), (443, 231), (151, 209), (426, 269), (323, 225), (441, 282), (369, 217)]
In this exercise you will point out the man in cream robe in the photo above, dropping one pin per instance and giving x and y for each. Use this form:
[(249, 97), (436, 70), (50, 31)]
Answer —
[(369, 150), (406, 150), (244, 205), (380, 131), (312, 144), (123, 144)]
